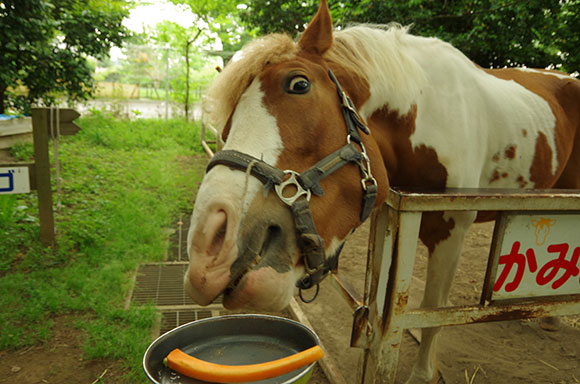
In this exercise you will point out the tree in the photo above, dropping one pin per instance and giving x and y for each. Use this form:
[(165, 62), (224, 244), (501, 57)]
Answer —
[(214, 20), (182, 39), (493, 33), (44, 45), (220, 19)]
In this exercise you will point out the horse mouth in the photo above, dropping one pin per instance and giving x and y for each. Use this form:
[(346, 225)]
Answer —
[(236, 281), (251, 260)]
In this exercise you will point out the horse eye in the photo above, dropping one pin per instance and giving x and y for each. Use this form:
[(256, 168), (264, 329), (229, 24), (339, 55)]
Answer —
[(298, 85)]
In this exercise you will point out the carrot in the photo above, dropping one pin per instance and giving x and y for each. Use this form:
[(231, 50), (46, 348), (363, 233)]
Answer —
[(218, 373)]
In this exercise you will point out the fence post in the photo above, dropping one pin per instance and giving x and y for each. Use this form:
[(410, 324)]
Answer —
[(391, 269), (43, 186)]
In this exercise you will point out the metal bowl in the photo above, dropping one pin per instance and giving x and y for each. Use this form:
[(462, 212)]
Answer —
[(232, 340)]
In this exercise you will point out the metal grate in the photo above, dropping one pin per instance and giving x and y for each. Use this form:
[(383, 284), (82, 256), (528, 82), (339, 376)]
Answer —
[(173, 319), (161, 284)]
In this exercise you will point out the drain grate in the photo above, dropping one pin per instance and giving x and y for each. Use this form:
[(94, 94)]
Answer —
[(173, 319), (161, 285)]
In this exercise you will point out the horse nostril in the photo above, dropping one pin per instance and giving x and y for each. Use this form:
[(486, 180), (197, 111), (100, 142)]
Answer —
[(217, 223)]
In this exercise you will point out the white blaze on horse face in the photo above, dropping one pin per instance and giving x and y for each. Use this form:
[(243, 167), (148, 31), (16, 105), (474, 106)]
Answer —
[(254, 131), (224, 197)]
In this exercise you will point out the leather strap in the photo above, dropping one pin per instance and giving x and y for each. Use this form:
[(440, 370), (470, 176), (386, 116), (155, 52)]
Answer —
[(267, 174), (310, 179)]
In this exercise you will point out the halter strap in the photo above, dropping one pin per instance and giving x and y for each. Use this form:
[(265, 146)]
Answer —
[(311, 244), (267, 174)]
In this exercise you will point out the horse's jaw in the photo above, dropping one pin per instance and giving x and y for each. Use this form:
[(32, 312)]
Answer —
[(248, 252)]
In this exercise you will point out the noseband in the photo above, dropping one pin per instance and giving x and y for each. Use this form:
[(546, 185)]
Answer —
[(311, 245)]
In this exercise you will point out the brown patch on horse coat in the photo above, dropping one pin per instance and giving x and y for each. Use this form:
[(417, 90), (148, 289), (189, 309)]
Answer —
[(510, 152), (484, 216), (407, 167), (434, 228), (412, 167), (540, 170), (495, 176), (562, 95)]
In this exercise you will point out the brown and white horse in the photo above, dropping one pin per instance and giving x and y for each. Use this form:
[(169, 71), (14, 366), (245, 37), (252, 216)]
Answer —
[(436, 120)]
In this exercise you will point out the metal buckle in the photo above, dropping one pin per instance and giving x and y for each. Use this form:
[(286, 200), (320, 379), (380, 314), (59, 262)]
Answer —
[(368, 182), (291, 181)]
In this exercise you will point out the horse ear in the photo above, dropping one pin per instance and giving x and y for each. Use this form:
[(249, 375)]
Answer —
[(317, 38)]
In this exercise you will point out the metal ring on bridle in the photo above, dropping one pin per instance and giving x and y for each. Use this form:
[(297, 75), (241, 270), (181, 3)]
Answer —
[(292, 181), (313, 297)]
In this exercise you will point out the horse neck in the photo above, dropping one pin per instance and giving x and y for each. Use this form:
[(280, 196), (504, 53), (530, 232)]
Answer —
[(397, 87)]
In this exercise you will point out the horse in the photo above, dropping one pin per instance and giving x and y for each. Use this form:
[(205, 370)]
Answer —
[(317, 130)]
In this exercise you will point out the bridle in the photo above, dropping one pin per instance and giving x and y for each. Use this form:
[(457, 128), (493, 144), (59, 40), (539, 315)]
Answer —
[(311, 245)]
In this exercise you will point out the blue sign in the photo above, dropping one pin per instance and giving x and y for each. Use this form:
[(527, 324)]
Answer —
[(14, 180), (7, 179)]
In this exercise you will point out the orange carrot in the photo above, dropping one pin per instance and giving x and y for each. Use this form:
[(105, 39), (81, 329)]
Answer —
[(218, 373)]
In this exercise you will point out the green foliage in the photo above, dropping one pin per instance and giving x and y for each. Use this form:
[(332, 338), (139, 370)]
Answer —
[(280, 16), (124, 183), (44, 46), (22, 151), (188, 42), (222, 19), (101, 129), (493, 33)]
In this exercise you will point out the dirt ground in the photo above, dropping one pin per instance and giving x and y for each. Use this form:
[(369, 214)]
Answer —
[(510, 352), (513, 352), (58, 361)]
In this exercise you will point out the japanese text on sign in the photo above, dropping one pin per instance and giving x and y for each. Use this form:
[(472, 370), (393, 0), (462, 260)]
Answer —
[(539, 256)]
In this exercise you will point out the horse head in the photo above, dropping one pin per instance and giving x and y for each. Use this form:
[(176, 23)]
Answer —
[(298, 171)]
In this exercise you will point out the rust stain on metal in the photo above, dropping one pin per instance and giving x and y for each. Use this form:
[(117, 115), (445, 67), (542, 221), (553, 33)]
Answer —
[(513, 314), (359, 336), (402, 301)]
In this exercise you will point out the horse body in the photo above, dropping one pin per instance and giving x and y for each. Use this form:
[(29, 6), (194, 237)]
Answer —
[(436, 119)]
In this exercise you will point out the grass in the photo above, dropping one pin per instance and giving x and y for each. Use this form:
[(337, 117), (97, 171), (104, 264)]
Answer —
[(124, 182)]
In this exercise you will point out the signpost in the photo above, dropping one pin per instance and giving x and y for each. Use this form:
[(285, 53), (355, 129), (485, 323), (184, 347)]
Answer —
[(24, 177)]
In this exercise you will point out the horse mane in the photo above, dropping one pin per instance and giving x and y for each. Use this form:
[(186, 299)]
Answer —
[(225, 92), (379, 53), (373, 51)]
